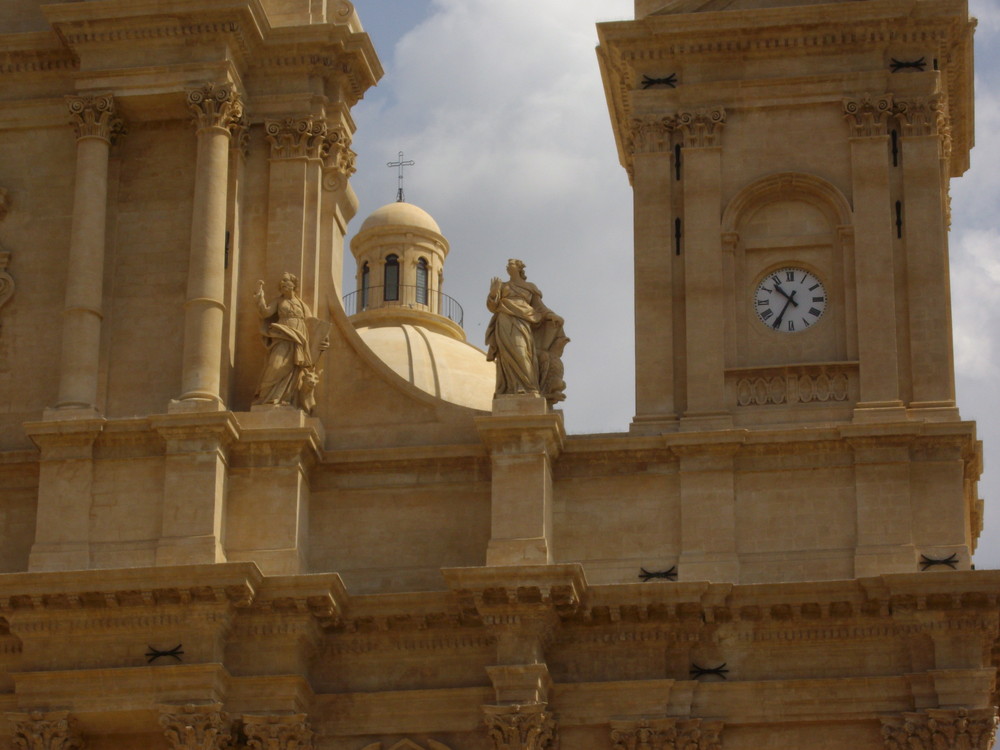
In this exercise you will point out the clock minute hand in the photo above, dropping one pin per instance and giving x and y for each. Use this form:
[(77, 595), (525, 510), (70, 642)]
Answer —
[(787, 296), (790, 301)]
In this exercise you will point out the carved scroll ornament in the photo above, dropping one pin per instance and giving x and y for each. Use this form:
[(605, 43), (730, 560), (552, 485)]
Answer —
[(95, 117), (701, 128), (216, 106), (298, 138), (869, 115)]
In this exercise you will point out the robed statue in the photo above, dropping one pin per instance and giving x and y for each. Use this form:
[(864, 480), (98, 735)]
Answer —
[(524, 338), (294, 340)]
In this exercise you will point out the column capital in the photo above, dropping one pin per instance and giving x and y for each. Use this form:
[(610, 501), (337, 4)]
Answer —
[(216, 105), (520, 727), (299, 137), (45, 730), (666, 733), (196, 727), (701, 128), (650, 134), (339, 164), (868, 115), (277, 732), (972, 728), (95, 117), (926, 115)]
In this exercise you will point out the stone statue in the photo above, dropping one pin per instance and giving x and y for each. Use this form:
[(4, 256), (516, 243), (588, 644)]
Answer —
[(294, 340), (524, 338)]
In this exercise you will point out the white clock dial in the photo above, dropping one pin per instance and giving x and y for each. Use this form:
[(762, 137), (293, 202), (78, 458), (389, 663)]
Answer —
[(789, 300)]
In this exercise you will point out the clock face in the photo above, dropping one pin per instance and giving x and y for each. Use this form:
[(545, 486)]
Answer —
[(789, 300)]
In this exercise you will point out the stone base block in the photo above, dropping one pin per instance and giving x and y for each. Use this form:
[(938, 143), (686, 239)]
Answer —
[(519, 405), (530, 551), (193, 550)]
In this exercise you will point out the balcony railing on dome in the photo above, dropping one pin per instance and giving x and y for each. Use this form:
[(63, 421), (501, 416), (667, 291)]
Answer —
[(403, 295)]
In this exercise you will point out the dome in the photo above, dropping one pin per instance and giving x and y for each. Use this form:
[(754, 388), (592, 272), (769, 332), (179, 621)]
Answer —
[(400, 214), (440, 365)]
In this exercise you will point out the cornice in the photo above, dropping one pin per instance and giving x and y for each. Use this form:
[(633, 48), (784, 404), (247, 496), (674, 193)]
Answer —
[(37, 52)]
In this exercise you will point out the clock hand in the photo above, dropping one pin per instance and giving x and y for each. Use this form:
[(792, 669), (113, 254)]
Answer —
[(784, 294), (777, 321)]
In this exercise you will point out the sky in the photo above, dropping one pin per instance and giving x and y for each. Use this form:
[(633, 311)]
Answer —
[(501, 107)]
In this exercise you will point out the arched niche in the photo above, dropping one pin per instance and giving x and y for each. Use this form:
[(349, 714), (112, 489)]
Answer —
[(790, 220)]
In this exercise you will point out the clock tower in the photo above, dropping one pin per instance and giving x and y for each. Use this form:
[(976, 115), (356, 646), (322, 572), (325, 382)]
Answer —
[(790, 165)]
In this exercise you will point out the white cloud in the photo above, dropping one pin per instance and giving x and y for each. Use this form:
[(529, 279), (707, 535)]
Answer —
[(501, 106), (976, 317)]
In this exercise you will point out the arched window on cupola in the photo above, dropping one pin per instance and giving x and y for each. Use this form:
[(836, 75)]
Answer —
[(365, 281), (422, 281), (391, 278)]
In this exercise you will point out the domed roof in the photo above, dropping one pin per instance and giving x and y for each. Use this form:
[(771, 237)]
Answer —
[(400, 214), (444, 367)]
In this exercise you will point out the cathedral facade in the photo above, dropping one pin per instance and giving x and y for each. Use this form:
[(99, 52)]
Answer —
[(250, 501)]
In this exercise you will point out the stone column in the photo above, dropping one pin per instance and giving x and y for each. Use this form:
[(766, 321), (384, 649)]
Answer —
[(97, 125), (873, 258), (935, 728), (523, 438), (521, 727), (45, 730), (299, 147), (653, 179), (217, 110), (703, 282), (925, 137), (278, 732)]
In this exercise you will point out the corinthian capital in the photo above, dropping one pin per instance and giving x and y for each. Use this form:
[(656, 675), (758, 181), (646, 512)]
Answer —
[(868, 115), (340, 158), (51, 730), (650, 134), (701, 127), (666, 734), (520, 727), (298, 138), (933, 728), (922, 115), (95, 117), (196, 727), (216, 106), (278, 732)]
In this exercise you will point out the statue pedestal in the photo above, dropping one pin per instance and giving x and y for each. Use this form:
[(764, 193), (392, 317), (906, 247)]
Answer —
[(523, 437)]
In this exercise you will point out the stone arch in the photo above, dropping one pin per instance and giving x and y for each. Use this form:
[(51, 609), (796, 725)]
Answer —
[(788, 186)]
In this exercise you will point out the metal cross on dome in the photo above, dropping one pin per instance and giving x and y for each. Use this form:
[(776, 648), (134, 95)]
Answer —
[(400, 163)]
